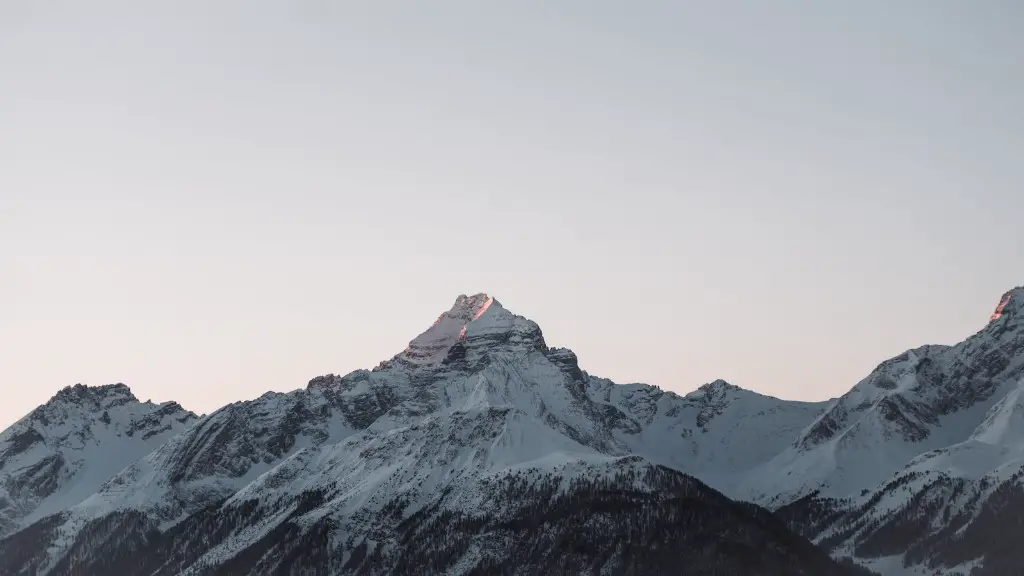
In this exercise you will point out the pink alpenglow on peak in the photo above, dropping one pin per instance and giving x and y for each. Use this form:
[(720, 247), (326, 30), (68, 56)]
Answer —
[(1011, 302), (484, 308), (453, 326), (470, 307)]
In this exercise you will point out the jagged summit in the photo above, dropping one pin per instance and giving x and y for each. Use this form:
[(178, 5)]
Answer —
[(86, 398), (477, 318), (1010, 305), (82, 392), (433, 345), (718, 387), (471, 307)]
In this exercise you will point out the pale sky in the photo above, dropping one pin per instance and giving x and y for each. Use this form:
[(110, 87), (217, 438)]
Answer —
[(209, 200)]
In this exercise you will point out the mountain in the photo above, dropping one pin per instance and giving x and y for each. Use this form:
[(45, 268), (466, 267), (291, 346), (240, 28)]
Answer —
[(920, 466), (65, 450), (481, 432), (478, 449)]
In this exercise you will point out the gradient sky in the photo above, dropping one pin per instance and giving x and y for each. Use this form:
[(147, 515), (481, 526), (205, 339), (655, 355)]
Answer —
[(208, 200)]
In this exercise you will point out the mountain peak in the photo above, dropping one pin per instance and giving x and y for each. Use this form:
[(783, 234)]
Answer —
[(81, 392), (1011, 304), (717, 389), (471, 307), (475, 318), (719, 385)]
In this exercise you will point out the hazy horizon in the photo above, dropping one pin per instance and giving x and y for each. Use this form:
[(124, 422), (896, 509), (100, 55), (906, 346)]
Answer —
[(207, 202), (256, 393)]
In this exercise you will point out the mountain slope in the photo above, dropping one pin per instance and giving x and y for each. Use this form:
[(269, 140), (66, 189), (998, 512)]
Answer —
[(478, 428), (921, 463), (922, 400), (63, 452), (624, 517), (719, 433)]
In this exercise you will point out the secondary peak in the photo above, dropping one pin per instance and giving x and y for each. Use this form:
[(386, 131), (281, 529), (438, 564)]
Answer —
[(718, 387), (1011, 304)]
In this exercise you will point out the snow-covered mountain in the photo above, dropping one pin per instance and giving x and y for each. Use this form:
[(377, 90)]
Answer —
[(921, 400), (444, 459), (719, 433), (481, 432), (65, 450), (920, 465)]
